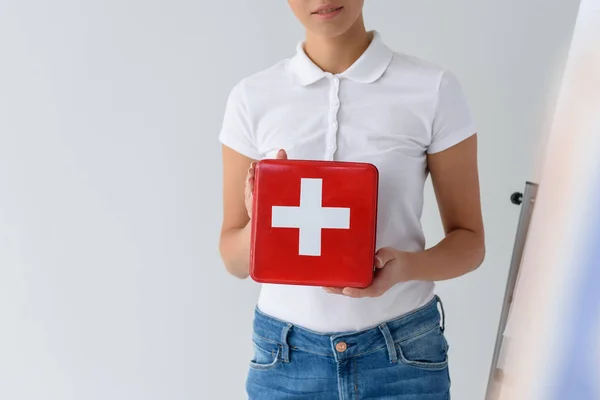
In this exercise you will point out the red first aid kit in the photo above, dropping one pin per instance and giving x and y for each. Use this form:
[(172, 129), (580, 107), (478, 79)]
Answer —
[(314, 223)]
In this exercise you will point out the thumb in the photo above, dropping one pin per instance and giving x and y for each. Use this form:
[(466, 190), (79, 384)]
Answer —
[(281, 155), (384, 256)]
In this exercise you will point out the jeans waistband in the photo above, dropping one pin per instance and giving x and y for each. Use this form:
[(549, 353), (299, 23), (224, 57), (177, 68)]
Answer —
[(387, 334)]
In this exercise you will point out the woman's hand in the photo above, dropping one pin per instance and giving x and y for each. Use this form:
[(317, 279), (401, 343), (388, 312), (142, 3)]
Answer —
[(249, 186), (391, 267)]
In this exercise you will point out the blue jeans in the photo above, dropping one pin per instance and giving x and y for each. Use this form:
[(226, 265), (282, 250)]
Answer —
[(402, 359)]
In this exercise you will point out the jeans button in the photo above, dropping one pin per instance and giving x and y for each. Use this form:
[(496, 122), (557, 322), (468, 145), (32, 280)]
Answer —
[(341, 347)]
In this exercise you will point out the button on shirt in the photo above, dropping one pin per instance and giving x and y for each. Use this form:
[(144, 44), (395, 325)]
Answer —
[(388, 109)]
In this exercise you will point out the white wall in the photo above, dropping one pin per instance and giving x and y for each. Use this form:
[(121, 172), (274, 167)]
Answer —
[(110, 282)]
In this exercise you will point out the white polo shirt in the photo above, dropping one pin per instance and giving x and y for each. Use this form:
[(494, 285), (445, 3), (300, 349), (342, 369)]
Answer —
[(387, 109)]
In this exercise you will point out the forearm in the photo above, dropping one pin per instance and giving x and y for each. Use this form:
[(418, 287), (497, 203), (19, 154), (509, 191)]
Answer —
[(234, 247), (459, 253)]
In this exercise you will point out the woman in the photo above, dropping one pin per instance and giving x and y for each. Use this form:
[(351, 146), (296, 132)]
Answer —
[(346, 96)]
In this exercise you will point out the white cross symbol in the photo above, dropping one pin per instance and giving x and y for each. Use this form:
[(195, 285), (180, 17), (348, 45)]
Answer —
[(310, 217)]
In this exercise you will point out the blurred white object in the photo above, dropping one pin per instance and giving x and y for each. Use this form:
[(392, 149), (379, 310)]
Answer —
[(553, 326)]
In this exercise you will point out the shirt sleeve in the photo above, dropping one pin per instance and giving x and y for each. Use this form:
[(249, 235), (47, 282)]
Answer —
[(236, 129), (452, 120)]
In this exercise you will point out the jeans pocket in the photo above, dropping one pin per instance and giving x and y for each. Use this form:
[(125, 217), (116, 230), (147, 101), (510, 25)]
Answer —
[(266, 354), (428, 350)]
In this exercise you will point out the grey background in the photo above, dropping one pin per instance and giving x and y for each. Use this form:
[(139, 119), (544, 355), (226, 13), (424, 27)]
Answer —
[(111, 286)]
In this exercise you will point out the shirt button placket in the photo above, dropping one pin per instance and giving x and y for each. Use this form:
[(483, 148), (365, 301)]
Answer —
[(334, 106)]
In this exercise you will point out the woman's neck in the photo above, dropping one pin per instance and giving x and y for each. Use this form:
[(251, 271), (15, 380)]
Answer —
[(337, 54)]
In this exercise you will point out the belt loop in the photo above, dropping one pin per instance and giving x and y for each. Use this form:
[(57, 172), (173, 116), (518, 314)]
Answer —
[(389, 341), (443, 313), (285, 348)]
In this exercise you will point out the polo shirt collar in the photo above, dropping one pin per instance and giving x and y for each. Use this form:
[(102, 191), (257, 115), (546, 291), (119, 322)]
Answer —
[(369, 67)]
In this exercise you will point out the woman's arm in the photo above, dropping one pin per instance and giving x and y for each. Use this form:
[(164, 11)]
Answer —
[(234, 243), (238, 185), (455, 178)]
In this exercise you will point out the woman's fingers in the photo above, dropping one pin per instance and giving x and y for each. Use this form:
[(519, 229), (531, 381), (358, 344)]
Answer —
[(250, 174), (249, 183), (281, 155), (249, 186)]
